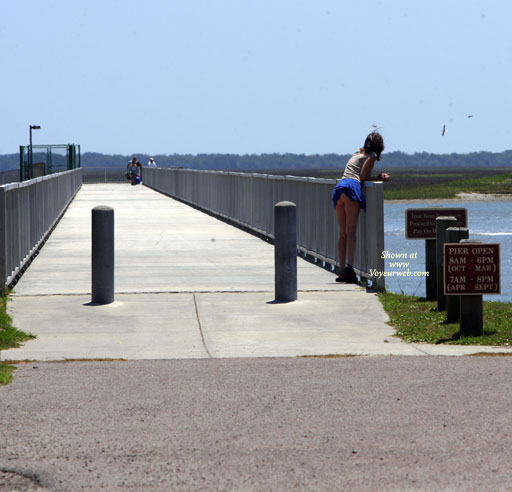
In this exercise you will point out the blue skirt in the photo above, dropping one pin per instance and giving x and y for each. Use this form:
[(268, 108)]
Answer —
[(352, 188)]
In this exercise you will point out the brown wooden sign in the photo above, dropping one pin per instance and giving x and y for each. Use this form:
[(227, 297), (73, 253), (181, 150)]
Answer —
[(420, 223), (471, 268)]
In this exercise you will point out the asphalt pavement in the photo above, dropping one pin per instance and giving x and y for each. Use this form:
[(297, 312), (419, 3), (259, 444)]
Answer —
[(259, 424)]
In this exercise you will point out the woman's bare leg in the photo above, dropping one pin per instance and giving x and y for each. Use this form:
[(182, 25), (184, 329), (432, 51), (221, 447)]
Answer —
[(342, 241), (351, 209)]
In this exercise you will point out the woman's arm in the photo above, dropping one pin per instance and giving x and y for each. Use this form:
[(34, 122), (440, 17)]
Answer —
[(380, 177), (366, 171), (367, 168)]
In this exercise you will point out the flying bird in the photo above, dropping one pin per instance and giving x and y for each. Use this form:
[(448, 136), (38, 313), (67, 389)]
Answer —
[(444, 130), (470, 116)]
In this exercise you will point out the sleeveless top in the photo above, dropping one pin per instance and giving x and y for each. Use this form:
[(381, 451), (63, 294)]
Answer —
[(355, 165)]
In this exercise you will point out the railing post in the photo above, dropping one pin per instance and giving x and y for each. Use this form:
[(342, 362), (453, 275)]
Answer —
[(102, 255), (375, 224), (285, 251)]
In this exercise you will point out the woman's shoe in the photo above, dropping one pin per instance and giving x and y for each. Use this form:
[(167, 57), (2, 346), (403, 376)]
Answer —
[(348, 276), (341, 277)]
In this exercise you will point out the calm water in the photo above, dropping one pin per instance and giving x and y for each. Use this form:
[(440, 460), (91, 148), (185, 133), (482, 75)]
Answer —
[(489, 222)]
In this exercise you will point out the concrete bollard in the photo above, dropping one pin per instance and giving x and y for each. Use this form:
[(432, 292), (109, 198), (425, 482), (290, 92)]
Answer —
[(285, 251), (454, 235), (442, 223), (102, 257)]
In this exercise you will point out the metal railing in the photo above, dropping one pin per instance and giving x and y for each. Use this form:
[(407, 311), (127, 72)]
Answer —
[(104, 175), (28, 213), (248, 200)]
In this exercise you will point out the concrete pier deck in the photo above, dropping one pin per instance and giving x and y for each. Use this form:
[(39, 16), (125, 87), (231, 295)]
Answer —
[(187, 286)]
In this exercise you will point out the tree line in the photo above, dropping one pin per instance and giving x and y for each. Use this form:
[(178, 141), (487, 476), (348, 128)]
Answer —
[(248, 162)]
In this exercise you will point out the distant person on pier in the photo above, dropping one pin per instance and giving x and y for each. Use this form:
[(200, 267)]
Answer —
[(134, 171), (348, 199), (152, 163)]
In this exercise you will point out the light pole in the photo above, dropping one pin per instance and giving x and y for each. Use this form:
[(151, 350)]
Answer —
[(31, 127)]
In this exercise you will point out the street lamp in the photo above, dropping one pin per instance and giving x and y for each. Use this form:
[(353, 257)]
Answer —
[(31, 127)]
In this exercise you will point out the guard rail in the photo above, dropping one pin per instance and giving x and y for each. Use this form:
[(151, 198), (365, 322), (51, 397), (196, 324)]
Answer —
[(28, 213), (248, 199)]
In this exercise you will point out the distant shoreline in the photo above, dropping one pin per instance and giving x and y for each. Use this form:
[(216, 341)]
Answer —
[(461, 197)]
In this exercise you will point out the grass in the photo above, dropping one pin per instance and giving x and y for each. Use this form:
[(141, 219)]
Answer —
[(417, 320), (10, 337), (411, 185)]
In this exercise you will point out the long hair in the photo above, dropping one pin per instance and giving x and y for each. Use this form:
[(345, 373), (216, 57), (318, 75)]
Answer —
[(374, 143)]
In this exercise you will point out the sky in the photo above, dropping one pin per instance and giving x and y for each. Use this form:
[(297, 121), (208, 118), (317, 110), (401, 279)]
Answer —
[(256, 76)]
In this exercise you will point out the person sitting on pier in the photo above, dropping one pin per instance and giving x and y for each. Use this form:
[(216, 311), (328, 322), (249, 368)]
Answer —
[(348, 199)]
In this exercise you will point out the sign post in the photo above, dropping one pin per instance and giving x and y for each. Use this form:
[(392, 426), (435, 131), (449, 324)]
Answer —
[(442, 223), (430, 267), (454, 235), (471, 269), (420, 223)]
